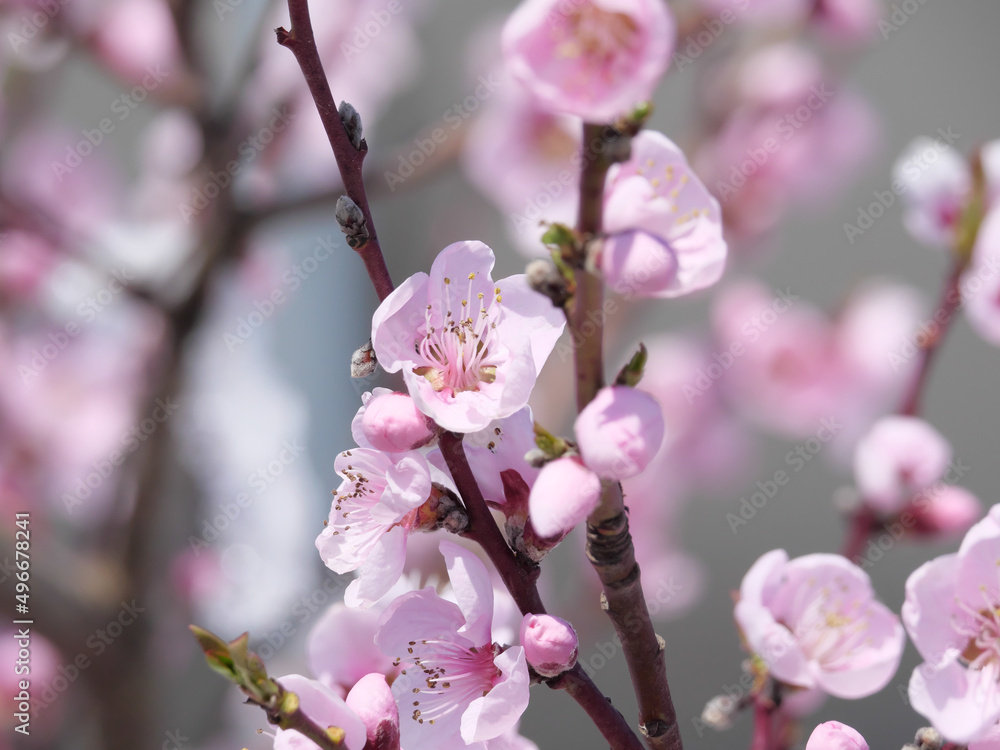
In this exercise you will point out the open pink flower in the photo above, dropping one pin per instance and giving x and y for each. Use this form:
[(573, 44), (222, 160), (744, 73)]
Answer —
[(815, 622), (595, 59), (462, 687), (936, 184), (833, 735), (470, 348), (898, 457), (372, 513), (664, 227), (325, 708), (501, 446), (951, 615), (981, 282)]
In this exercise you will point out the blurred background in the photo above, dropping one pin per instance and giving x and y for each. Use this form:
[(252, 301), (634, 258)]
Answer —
[(178, 309)]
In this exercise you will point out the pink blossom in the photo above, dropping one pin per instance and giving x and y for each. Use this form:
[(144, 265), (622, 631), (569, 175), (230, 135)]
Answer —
[(595, 59), (847, 21), (459, 683), (525, 159), (564, 494), (619, 432), (937, 183), (325, 708), (371, 699), (665, 227), (498, 447), (836, 736), (768, 155), (950, 613), (137, 39), (391, 422), (815, 622), (981, 282), (990, 741), (550, 644), (470, 348), (371, 515), (898, 457), (945, 510), (341, 647)]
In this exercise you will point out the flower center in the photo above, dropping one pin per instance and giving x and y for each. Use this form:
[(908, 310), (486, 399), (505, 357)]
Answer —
[(461, 352), (831, 630), (982, 628), (597, 36), (456, 675)]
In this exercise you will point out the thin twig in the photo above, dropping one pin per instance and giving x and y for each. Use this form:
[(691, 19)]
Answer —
[(519, 576), (350, 160)]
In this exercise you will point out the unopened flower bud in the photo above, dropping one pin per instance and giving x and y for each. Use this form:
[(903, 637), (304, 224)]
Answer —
[(352, 123), (563, 495), (393, 423), (946, 510), (371, 699), (836, 736), (928, 738), (352, 222), (718, 712), (619, 432), (545, 278), (550, 644), (363, 361)]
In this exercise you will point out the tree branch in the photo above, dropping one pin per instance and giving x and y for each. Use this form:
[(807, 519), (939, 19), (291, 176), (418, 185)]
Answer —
[(609, 543), (350, 160), (519, 576)]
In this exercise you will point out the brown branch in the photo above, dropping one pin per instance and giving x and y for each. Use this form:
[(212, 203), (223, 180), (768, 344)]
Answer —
[(519, 576), (609, 543), (350, 160)]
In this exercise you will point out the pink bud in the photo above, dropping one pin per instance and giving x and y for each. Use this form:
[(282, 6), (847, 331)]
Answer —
[(619, 432), (835, 736), (392, 423), (638, 263), (564, 494), (947, 510), (550, 644), (371, 699)]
